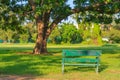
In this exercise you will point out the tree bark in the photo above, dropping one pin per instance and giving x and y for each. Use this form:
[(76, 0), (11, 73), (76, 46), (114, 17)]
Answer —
[(44, 46), (41, 40)]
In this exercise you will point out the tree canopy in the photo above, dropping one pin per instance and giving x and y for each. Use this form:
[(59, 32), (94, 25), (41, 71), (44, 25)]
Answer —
[(48, 13), (14, 11)]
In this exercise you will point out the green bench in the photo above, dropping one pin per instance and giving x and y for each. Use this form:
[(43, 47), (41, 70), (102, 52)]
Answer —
[(77, 58)]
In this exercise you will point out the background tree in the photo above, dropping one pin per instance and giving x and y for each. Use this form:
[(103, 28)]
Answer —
[(48, 13), (113, 35), (55, 36), (70, 34), (9, 33), (3, 35), (30, 29)]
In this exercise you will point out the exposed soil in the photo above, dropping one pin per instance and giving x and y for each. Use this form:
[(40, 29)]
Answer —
[(15, 77)]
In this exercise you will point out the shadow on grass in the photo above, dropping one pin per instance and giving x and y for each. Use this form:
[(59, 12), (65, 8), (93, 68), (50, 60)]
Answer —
[(110, 45), (103, 66), (110, 48), (85, 69), (20, 69), (27, 64), (111, 51), (105, 49), (79, 69), (14, 64)]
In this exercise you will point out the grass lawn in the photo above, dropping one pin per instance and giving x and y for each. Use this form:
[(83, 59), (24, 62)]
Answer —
[(15, 60)]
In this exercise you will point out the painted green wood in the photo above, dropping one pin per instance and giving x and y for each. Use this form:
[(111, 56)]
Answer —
[(92, 65), (80, 60), (81, 52), (71, 57)]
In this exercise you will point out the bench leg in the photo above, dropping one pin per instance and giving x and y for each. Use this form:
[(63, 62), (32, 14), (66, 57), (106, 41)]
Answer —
[(63, 68), (97, 67)]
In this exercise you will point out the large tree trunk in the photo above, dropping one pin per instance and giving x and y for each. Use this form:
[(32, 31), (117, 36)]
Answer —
[(40, 46), (44, 46), (41, 40)]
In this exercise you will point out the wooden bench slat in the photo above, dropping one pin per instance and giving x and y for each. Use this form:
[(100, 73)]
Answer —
[(73, 57), (81, 52), (79, 60), (67, 64)]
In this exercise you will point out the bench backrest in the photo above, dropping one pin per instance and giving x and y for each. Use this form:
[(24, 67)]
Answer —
[(68, 53)]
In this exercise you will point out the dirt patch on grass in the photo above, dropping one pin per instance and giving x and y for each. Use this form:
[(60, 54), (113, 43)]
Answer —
[(15, 77), (114, 71)]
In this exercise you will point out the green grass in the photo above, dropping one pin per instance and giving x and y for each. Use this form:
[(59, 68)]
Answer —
[(14, 60)]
